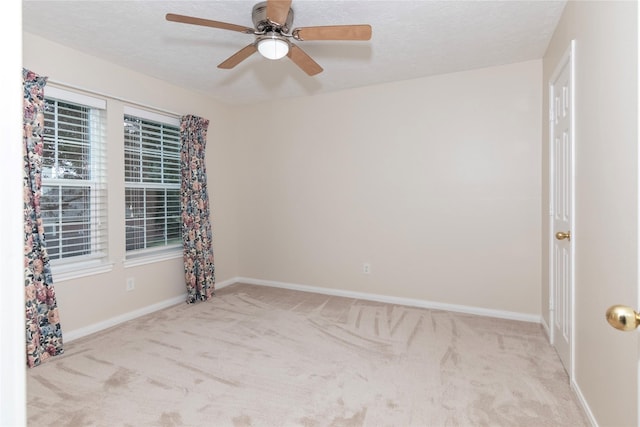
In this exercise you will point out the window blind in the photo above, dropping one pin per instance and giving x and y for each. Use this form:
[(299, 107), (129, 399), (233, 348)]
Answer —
[(74, 191), (152, 181)]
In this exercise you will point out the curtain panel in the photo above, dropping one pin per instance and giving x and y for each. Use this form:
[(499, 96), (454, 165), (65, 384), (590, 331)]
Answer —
[(197, 236), (43, 331)]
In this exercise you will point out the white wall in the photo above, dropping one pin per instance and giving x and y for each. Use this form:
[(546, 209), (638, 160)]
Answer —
[(606, 227), (95, 299), (12, 331), (435, 182)]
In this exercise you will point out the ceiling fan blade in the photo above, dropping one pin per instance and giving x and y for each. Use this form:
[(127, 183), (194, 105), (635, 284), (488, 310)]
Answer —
[(334, 32), (238, 57), (207, 23), (304, 61), (278, 10)]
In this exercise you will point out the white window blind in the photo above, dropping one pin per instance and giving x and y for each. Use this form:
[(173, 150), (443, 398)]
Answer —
[(152, 181), (74, 191)]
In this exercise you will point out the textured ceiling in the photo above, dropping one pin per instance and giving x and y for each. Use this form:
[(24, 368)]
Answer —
[(410, 39)]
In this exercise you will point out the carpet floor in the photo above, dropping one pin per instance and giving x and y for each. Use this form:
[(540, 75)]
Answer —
[(260, 356)]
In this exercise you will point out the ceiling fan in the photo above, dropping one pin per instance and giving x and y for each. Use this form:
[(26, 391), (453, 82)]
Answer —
[(272, 20)]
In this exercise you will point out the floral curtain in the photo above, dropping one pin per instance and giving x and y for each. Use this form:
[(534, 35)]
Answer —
[(196, 223), (44, 335)]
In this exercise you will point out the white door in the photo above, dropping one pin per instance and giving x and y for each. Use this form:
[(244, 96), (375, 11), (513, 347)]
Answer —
[(561, 240)]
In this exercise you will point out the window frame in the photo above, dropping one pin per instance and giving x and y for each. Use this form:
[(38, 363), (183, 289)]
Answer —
[(97, 261), (152, 254)]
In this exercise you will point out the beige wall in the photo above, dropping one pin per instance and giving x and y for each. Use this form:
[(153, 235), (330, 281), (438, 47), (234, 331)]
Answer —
[(90, 300), (606, 227), (435, 182)]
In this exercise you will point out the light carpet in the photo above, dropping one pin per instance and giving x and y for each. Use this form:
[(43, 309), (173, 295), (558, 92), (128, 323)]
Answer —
[(259, 356)]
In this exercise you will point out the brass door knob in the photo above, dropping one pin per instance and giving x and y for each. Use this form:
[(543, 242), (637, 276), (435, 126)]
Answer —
[(623, 317), (561, 235)]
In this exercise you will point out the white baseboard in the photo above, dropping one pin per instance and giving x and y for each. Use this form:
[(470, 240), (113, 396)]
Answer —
[(97, 327), (546, 328), (225, 283), (395, 300), (583, 402), (573, 383)]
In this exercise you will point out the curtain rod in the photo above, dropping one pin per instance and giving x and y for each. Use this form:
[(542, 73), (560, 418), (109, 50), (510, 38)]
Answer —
[(62, 85)]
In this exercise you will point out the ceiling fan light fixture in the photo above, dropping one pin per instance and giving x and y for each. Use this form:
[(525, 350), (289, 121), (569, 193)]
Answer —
[(272, 21), (273, 47)]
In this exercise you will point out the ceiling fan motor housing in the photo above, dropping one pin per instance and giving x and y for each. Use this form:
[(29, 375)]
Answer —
[(261, 23)]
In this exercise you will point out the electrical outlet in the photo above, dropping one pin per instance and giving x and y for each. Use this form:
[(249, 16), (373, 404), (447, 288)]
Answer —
[(131, 284), (366, 268)]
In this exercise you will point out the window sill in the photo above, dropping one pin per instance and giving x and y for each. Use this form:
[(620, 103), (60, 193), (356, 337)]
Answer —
[(143, 259), (63, 273)]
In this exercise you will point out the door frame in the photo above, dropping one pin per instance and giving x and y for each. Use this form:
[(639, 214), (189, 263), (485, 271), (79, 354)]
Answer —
[(568, 58), (638, 213)]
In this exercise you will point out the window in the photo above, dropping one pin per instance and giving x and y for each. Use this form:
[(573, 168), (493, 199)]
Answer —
[(152, 181), (74, 194)]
